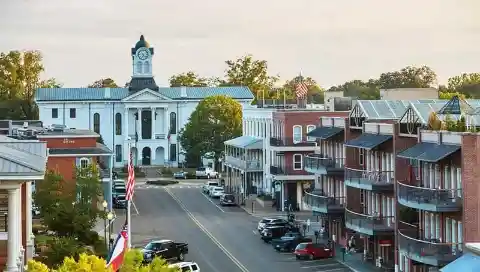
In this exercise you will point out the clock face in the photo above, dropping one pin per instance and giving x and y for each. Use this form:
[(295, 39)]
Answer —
[(142, 54)]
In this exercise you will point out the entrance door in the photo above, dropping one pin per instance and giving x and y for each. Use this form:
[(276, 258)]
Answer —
[(146, 124), (292, 195), (146, 156)]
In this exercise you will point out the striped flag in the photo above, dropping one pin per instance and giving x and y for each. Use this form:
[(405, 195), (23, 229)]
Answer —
[(115, 259), (301, 89), (131, 178)]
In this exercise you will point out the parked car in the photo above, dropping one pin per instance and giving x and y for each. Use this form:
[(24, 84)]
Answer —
[(268, 220), (180, 175), (272, 232), (205, 172), (216, 192), (289, 241), (119, 190), (206, 186), (166, 249), (186, 266), (227, 200), (312, 251)]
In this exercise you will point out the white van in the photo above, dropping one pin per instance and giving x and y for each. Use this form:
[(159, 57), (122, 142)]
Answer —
[(187, 266)]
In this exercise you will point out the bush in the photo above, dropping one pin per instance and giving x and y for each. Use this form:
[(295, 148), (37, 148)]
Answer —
[(166, 171), (162, 182), (39, 229), (59, 248)]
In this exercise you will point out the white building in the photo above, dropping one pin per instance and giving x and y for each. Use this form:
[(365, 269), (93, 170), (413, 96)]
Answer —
[(143, 115)]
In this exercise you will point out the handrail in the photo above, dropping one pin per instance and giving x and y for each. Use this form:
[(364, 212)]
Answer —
[(427, 242), (323, 196), (426, 188), (368, 216), (369, 171)]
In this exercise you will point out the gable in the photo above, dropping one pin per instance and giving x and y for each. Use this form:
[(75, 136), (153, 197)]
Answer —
[(145, 96)]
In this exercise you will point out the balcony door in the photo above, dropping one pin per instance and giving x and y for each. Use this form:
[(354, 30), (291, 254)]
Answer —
[(146, 124)]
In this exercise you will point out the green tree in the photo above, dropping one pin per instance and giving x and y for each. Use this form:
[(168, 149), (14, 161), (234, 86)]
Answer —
[(315, 92), (359, 89), (20, 76), (188, 79), (467, 84), (408, 77), (246, 71), (215, 119), (104, 83)]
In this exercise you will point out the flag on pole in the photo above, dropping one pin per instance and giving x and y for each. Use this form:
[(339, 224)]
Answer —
[(115, 259), (131, 178), (301, 89)]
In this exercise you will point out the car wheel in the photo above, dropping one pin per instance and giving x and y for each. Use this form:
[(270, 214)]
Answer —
[(311, 257), (208, 176), (181, 257), (298, 257)]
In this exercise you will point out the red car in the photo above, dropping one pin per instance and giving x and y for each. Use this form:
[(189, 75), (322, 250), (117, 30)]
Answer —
[(313, 251)]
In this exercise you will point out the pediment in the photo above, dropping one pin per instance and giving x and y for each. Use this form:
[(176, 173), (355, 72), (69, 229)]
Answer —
[(145, 95)]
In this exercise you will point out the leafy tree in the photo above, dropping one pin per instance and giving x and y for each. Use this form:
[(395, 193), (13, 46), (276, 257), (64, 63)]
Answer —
[(315, 92), (214, 120), (408, 77), (188, 79), (450, 95), (89, 263), (246, 71), (467, 84), (66, 211), (360, 89), (20, 76), (104, 83)]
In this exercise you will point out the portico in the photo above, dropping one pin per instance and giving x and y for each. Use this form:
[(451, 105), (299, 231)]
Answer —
[(21, 162)]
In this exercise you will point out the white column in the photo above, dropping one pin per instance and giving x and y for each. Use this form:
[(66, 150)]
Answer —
[(139, 123), (28, 222), (13, 230), (166, 125), (153, 124), (125, 126), (21, 227)]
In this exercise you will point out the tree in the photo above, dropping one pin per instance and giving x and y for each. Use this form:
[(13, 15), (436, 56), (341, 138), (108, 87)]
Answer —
[(188, 79), (104, 83), (450, 95), (89, 263), (359, 89), (467, 84), (315, 92), (215, 119), (408, 77), (246, 71), (69, 212), (20, 76)]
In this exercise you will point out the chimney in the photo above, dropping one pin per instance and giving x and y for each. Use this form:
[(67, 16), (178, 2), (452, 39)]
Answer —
[(107, 93), (183, 92)]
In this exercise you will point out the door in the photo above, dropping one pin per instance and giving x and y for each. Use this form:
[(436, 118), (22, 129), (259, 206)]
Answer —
[(168, 251), (146, 156), (292, 195), (146, 124)]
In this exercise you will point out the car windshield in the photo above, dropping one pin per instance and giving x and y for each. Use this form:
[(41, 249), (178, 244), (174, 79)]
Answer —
[(201, 169), (121, 190), (213, 184), (229, 197), (218, 189), (150, 246), (302, 246)]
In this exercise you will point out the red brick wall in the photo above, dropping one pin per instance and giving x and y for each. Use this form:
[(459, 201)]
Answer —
[(471, 187), (70, 142), (303, 118), (288, 157), (352, 161)]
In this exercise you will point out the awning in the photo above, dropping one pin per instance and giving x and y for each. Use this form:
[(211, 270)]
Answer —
[(368, 141), (468, 262), (324, 133), (246, 142), (429, 152), (98, 150)]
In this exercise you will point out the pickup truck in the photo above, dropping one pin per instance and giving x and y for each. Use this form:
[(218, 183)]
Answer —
[(205, 172), (166, 249), (289, 241)]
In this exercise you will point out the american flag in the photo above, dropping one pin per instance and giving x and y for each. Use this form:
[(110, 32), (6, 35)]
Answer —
[(131, 178), (301, 89)]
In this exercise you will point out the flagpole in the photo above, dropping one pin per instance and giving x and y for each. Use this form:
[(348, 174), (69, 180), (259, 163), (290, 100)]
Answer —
[(129, 221)]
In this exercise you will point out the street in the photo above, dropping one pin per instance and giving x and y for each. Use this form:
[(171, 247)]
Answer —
[(220, 238)]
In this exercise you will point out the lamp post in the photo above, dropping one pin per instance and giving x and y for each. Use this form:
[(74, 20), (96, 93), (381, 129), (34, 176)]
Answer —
[(105, 205), (110, 229)]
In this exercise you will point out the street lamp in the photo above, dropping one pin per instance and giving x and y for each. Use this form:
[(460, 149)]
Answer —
[(105, 205), (110, 229)]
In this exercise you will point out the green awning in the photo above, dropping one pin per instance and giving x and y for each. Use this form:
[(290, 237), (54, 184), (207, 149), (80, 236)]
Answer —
[(429, 152), (246, 142), (368, 141)]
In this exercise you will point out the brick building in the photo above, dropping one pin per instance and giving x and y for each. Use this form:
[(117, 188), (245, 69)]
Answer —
[(408, 196)]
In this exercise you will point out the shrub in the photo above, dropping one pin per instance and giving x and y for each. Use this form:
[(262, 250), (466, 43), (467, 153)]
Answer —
[(59, 248), (39, 229), (166, 171)]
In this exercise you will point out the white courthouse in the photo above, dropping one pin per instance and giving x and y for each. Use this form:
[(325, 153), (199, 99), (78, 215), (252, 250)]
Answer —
[(144, 115)]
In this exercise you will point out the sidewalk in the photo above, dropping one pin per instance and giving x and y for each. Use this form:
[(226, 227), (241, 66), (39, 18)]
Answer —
[(253, 208), (355, 262)]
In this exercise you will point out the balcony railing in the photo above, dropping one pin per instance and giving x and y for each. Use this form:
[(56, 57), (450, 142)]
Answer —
[(321, 164), (427, 251), (160, 136), (369, 224), (247, 165), (324, 204), (428, 199), (369, 180), (290, 141), (287, 170)]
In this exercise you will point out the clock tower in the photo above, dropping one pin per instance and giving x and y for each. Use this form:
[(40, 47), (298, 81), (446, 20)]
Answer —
[(142, 76)]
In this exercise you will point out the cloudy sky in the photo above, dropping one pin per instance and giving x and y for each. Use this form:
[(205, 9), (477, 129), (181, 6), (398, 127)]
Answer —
[(331, 40)]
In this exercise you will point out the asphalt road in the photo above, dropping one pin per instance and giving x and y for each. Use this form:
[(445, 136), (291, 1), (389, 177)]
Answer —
[(220, 238)]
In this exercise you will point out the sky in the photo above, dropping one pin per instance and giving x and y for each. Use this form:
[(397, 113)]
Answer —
[(332, 41)]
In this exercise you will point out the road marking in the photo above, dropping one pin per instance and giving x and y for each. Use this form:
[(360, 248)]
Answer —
[(254, 232), (331, 270), (211, 201), (208, 233), (320, 265)]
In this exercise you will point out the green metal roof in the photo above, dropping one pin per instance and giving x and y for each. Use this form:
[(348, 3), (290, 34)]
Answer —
[(246, 142), (90, 94)]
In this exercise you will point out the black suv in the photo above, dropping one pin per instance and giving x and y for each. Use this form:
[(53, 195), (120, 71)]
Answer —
[(273, 232)]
